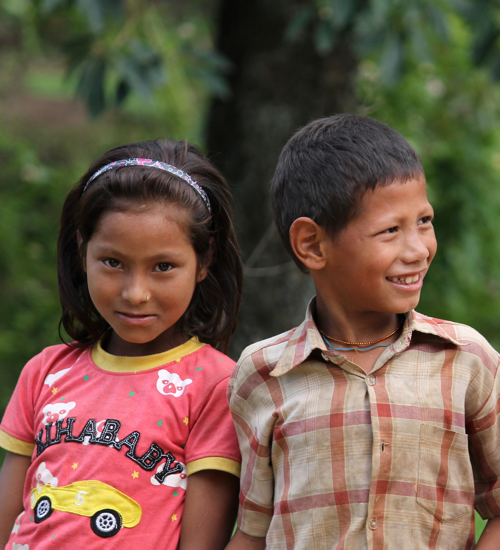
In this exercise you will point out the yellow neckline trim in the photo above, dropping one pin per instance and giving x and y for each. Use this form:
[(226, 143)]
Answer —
[(114, 363)]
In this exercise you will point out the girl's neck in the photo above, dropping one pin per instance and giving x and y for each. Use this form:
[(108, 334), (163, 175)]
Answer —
[(115, 345)]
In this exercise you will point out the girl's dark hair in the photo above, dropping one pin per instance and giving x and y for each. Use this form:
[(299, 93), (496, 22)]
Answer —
[(327, 166), (212, 312)]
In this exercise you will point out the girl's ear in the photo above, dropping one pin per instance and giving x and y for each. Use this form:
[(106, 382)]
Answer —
[(81, 250), (205, 264), (307, 240)]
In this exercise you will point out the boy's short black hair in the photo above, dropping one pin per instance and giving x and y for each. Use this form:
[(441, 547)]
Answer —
[(327, 166)]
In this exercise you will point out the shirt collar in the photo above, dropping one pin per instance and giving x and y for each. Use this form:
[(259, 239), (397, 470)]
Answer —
[(306, 338)]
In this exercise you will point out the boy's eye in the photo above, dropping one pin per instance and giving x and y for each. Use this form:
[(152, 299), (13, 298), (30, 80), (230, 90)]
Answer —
[(162, 266), (426, 219), (391, 230), (110, 262)]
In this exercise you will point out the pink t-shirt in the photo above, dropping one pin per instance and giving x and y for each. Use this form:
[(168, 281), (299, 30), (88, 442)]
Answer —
[(113, 441)]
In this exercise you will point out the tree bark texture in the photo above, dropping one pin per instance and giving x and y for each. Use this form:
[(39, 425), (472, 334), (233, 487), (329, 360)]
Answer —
[(277, 86)]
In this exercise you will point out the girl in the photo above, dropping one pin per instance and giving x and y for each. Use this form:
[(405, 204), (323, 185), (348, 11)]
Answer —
[(123, 438)]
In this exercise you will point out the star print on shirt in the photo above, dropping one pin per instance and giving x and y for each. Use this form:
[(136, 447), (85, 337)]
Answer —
[(131, 393), (186, 421), (174, 517), (175, 493), (135, 475), (54, 390), (86, 377), (75, 465), (160, 422)]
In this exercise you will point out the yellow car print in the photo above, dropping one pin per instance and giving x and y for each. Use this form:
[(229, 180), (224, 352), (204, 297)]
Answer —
[(108, 509)]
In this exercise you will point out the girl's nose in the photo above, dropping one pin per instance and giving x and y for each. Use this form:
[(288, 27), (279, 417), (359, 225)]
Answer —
[(135, 291)]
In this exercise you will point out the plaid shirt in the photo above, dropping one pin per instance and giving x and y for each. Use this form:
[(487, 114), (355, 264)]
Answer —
[(334, 458)]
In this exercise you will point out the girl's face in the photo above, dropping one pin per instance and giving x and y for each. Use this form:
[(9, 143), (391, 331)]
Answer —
[(142, 271)]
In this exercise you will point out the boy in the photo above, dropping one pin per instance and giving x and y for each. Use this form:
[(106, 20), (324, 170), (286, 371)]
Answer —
[(370, 426)]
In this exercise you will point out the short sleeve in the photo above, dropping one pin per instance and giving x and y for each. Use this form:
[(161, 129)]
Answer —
[(212, 443), (484, 445), (19, 419), (252, 408)]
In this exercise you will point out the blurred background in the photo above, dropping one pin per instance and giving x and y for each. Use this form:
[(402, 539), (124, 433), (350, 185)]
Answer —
[(237, 78)]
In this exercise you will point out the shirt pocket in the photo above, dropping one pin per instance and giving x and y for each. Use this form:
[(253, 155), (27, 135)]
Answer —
[(445, 479)]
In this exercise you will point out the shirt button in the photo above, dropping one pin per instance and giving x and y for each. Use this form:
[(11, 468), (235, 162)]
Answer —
[(371, 380), (373, 524)]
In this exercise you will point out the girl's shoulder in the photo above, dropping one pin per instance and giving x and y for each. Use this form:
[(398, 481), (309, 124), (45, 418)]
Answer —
[(51, 360), (203, 369), (210, 362)]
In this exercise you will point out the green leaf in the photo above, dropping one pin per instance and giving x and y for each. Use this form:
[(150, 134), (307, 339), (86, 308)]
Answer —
[(324, 37), (420, 44), (495, 68), (342, 12), (380, 10), (78, 50), (91, 85), (486, 38), (48, 6), (391, 62), (93, 12), (438, 20), (141, 69), (122, 91), (298, 24)]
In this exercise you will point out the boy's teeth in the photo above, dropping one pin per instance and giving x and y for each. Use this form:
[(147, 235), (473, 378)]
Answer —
[(404, 280)]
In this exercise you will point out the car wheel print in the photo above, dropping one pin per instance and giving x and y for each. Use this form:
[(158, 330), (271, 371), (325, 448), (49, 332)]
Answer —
[(106, 523), (43, 509)]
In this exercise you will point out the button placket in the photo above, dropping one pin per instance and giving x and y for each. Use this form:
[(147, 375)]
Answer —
[(371, 380)]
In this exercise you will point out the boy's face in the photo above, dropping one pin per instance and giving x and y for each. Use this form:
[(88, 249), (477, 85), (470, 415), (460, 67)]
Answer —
[(378, 262)]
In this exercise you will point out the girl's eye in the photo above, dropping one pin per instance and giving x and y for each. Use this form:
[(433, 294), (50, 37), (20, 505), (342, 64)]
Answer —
[(162, 266), (391, 230), (426, 219), (111, 263)]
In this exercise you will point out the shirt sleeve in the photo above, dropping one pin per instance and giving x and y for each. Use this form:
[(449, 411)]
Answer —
[(212, 443), (19, 419), (252, 408), (484, 446)]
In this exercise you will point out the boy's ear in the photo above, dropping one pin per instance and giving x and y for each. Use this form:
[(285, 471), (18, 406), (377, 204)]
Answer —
[(307, 239)]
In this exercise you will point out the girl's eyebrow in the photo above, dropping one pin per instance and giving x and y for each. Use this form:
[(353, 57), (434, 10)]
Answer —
[(165, 256)]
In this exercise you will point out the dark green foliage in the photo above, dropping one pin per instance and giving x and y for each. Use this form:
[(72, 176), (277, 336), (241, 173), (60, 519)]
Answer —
[(30, 201)]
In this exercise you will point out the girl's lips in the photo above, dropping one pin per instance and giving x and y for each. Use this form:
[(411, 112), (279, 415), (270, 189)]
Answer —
[(133, 319)]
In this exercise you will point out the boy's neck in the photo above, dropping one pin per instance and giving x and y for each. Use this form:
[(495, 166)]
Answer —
[(352, 326)]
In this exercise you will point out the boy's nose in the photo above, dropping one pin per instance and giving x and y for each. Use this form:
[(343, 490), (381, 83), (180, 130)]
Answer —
[(416, 249)]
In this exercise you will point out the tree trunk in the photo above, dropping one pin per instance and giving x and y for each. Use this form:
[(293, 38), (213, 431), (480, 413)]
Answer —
[(277, 87)]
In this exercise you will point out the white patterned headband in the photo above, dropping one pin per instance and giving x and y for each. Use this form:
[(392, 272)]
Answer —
[(153, 164)]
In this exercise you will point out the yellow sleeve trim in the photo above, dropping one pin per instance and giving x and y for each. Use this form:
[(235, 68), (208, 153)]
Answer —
[(214, 463), (14, 445)]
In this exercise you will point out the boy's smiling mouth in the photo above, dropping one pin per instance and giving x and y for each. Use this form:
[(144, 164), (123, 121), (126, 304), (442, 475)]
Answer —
[(407, 280)]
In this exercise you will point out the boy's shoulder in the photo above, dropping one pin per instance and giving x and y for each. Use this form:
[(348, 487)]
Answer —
[(457, 333), (263, 356), (469, 343)]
